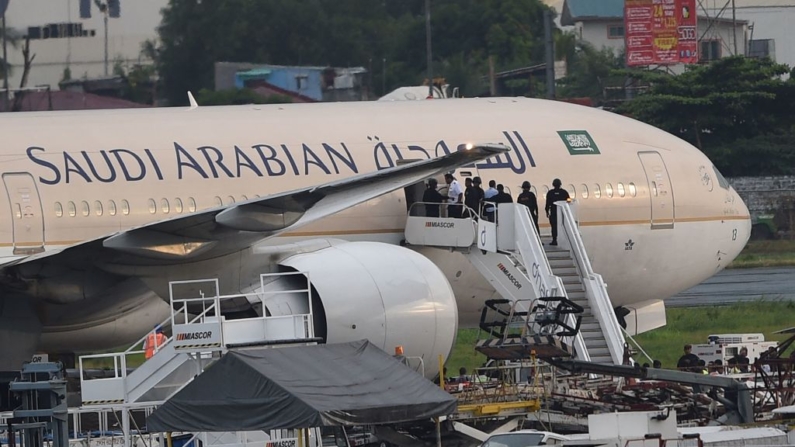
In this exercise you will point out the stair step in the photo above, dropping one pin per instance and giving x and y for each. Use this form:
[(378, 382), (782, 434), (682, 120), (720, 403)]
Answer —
[(592, 337), (560, 262), (599, 352), (590, 326), (571, 280), (574, 288), (577, 296), (558, 254), (596, 343), (565, 271)]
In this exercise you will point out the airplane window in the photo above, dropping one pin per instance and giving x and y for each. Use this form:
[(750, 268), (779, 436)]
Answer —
[(256, 196), (654, 189), (546, 190), (231, 199), (533, 189), (125, 207), (243, 198), (18, 211), (178, 205), (609, 190), (218, 201), (152, 206), (164, 205), (112, 208), (72, 209), (632, 190), (98, 208), (584, 191), (58, 209), (596, 191), (572, 191), (86, 210), (191, 205), (620, 187)]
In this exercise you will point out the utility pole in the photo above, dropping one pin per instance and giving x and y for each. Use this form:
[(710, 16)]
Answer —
[(105, 14), (5, 60), (734, 27), (428, 46), (550, 54), (383, 77)]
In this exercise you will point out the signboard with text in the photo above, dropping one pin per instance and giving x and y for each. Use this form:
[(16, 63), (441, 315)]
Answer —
[(660, 32)]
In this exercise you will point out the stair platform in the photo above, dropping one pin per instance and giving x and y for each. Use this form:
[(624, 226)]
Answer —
[(520, 348)]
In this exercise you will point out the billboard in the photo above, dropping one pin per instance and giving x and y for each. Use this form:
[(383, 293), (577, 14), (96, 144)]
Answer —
[(660, 32)]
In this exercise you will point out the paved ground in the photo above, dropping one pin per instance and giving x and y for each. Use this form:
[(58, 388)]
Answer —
[(736, 285)]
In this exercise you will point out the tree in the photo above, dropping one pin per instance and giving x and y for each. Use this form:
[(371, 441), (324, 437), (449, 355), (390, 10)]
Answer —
[(13, 38), (237, 97), (737, 110), (589, 70), (194, 35)]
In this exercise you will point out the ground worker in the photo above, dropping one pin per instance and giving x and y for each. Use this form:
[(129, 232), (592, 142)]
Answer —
[(153, 342)]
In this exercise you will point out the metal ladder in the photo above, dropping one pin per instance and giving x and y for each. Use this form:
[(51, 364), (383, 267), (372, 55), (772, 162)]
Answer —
[(510, 255)]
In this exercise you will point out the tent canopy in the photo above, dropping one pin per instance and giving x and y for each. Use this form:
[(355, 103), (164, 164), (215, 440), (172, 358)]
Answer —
[(298, 387)]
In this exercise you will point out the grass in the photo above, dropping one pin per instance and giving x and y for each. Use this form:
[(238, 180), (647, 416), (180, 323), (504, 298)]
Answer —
[(693, 325), (777, 253), (685, 325)]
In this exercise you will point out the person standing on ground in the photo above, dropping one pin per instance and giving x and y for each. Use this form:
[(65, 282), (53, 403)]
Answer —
[(556, 194)]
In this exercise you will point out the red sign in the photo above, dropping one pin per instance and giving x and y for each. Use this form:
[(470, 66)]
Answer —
[(660, 32)]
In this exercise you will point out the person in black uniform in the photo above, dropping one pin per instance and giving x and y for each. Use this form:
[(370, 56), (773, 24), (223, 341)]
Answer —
[(431, 196), (528, 199), (556, 194), (473, 195)]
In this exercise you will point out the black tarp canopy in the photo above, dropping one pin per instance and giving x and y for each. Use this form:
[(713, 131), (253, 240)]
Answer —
[(298, 387)]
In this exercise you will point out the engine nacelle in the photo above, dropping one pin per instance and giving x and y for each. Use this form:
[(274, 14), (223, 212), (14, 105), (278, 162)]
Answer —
[(384, 293)]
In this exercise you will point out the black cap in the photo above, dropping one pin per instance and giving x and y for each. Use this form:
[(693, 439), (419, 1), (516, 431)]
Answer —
[(525, 185)]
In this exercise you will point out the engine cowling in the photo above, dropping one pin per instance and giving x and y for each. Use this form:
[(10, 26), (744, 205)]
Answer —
[(384, 293)]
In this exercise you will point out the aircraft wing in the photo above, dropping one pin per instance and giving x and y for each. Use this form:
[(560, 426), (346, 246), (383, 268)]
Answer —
[(226, 229)]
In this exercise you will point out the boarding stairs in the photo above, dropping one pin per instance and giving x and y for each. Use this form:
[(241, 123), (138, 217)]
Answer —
[(201, 333), (509, 253)]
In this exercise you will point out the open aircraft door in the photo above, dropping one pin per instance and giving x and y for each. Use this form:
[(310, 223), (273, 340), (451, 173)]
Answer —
[(26, 213), (661, 192)]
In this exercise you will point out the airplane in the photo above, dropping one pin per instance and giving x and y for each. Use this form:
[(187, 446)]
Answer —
[(106, 207)]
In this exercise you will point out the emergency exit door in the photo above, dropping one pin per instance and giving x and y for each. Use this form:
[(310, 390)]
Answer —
[(26, 213), (661, 193)]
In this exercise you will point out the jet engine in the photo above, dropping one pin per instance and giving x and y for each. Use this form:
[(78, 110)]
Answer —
[(384, 293)]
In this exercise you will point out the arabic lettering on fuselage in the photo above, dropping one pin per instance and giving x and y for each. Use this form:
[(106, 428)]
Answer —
[(259, 160)]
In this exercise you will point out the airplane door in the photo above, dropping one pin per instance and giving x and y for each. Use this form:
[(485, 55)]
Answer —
[(26, 213), (660, 190)]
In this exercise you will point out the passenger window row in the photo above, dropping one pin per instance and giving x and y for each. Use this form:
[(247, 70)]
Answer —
[(177, 206), (596, 191)]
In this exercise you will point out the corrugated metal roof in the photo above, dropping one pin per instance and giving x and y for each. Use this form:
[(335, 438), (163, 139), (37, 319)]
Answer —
[(594, 9), (257, 73)]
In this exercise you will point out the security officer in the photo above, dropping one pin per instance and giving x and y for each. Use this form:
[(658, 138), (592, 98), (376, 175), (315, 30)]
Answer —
[(528, 199), (556, 194), (432, 199)]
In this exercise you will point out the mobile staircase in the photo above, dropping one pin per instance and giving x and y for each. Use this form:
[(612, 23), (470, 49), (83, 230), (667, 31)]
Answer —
[(530, 276), (200, 335)]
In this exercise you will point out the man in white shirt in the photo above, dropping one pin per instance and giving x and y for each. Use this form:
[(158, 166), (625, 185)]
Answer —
[(455, 196), (488, 196)]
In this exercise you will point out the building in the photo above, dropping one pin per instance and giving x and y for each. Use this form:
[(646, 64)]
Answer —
[(305, 83), (769, 25), (71, 33), (601, 23)]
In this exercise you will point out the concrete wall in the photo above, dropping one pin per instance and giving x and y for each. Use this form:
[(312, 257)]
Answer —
[(769, 197)]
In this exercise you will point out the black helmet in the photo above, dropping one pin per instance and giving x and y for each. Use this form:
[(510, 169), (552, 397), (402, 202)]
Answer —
[(556, 183), (525, 185)]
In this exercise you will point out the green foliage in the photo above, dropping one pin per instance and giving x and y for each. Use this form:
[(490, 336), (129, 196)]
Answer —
[(736, 109), (13, 39), (195, 35), (589, 70), (208, 97)]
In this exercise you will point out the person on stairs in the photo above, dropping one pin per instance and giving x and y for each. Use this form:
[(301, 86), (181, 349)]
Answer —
[(556, 194)]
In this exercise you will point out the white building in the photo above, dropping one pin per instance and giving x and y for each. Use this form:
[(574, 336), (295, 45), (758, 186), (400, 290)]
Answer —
[(769, 24), (61, 35), (601, 23)]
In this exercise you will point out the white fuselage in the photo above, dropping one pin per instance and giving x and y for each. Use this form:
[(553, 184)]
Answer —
[(663, 218)]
